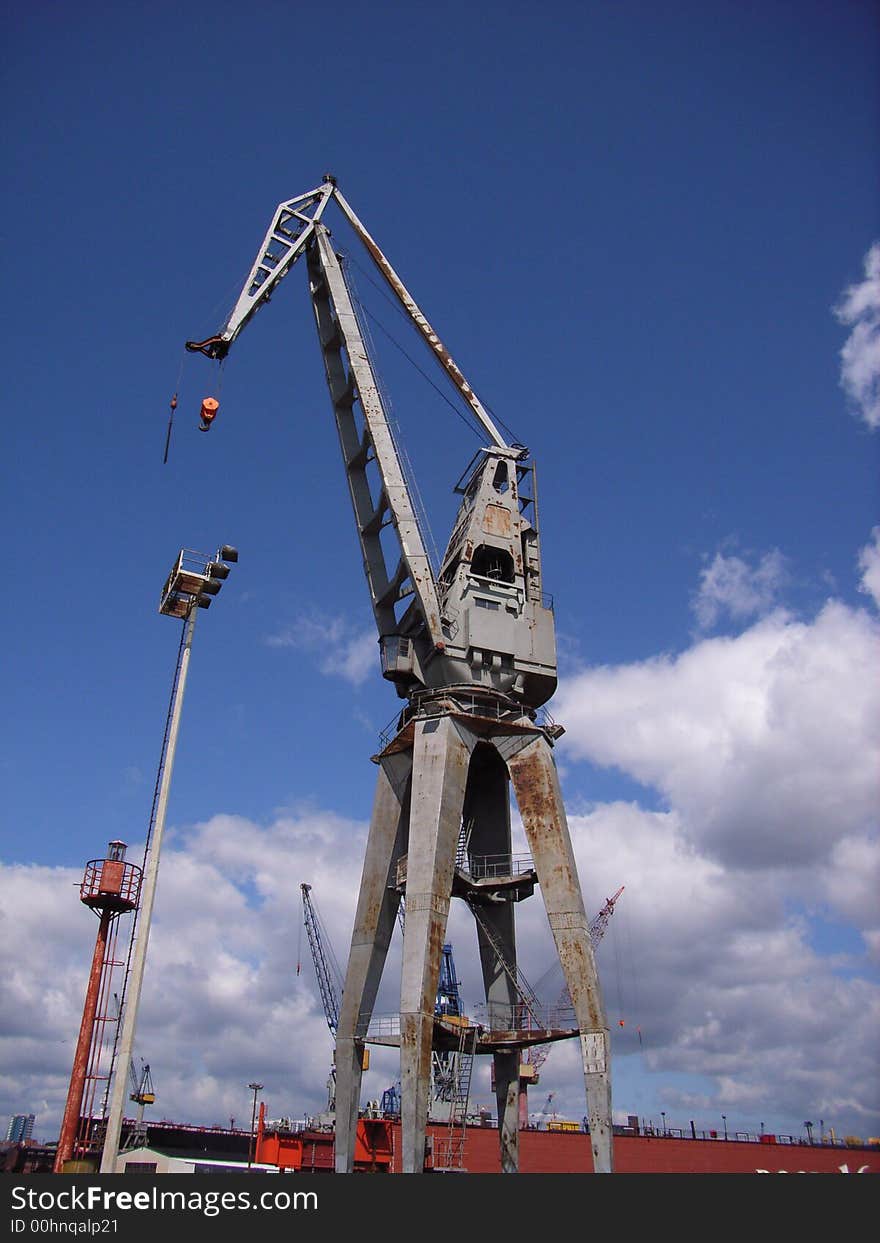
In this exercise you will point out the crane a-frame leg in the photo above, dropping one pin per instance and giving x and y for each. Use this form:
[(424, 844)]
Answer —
[(536, 785), (374, 923), (440, 766)]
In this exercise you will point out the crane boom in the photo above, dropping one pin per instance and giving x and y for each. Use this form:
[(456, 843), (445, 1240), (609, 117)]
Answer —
[(286, 239), (483, 619), (142, 1092), (320, 957), (598, 927), (350, 377)]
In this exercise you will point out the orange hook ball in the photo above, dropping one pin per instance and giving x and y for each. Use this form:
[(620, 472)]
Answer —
[(208, 412)]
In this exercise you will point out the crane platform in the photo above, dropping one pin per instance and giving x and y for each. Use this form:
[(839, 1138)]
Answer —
[(485, 878), (385, 1030)]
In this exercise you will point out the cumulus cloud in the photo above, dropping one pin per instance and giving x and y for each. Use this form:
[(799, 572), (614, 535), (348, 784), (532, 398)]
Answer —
[(859, 309), (849, 886), (719, 983), (730, 585), (767, 743), (341, 650)]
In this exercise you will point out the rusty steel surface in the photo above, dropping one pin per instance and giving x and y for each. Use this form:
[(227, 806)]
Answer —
[(484, 726), (540, 803), (536, 785), (440, 746), (374, 921), (111, 884), (73, 1106), (437, 746), (440, 764)]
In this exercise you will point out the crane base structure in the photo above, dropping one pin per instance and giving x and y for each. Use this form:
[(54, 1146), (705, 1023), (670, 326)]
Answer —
[(441, 810)]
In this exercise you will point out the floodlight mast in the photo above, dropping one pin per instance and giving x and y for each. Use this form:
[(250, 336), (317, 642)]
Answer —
[(194, 581), (472, 650)]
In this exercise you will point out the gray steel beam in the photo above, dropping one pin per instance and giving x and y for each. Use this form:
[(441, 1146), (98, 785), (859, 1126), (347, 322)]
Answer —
[(506, 1067), (378, 901), (536, 785), (440, 765), (346, 333)]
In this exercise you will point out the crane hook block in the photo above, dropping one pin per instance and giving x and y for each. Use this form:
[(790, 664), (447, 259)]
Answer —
[(208, 413)]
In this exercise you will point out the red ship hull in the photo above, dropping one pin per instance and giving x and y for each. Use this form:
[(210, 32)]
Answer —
[(552, 1152)]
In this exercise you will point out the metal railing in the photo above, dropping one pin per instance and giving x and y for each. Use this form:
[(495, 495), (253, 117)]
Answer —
[(111, 882), (491, 867), (500, 1016), (377, 1025)]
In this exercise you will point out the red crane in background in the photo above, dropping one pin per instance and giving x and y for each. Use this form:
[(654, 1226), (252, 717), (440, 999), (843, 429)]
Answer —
[(535, 1056)]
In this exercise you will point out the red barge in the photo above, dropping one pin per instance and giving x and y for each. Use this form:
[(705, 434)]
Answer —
[(568, 1152)]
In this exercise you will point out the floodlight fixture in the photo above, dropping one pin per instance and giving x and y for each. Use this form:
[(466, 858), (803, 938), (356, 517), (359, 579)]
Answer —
[(194, 578)]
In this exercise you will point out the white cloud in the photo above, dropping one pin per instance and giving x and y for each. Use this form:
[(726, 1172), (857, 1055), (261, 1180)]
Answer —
[(724, 995), (859, 309), (730, 585), (341, 650), (849, 886), (767, 744), (357, 658), (869, 564)]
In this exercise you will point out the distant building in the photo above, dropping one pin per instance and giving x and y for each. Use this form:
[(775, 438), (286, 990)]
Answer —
[(20, 1129)]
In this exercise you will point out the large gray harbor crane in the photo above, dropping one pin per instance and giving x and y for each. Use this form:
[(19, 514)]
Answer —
[(471, 650)]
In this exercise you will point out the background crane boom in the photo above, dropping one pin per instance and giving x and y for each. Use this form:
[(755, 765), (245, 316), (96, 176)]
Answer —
[(538, 1055), (326, 966)]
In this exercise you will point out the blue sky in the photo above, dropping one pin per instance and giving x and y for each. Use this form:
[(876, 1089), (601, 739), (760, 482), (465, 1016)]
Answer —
[(646, 238)]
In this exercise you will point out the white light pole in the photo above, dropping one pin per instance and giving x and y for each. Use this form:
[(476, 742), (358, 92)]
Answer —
[(190, 586)]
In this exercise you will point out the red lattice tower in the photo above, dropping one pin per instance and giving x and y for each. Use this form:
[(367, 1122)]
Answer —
[(110, 887)]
